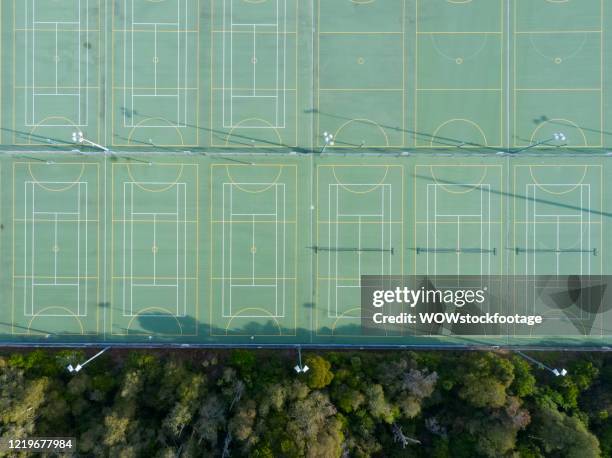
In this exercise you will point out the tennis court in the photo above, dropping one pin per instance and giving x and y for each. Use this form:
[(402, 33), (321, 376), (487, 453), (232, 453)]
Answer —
[(246, 164), (255, 249)]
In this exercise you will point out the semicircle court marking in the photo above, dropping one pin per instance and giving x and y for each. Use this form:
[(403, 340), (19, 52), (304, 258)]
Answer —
[(156, 309), (459, 2), (256, 309), (342, 316), (557, 58), (362, 2), (557, 120), (165, 188), (48, 118), (469, 189), (362, 120), (239, 124), (255, 2), (543, 186), (377, 185), (51, 189), (468, 121), (257, 191), (141, 125), (78, 320), (462, 58)]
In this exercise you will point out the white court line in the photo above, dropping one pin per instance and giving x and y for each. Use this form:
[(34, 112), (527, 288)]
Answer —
[(386, 196), (79, 249), (128, 121), (30, 188), (508, 9), (228, 215), (229, 24), (434, 219), (557, 219), (31, 24), (181, 193)]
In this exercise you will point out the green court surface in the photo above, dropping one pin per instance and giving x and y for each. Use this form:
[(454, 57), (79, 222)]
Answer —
[(256, 249), (247, 162), (278, 74)]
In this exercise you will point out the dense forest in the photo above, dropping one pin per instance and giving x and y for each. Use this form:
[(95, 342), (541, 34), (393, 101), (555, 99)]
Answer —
[(354, 404)]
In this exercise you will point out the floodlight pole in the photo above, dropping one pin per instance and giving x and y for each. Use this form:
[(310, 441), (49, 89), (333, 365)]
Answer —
[(81, 366), (299, 368), (328, 139), (78, 137), (556, 372), (559, 136)]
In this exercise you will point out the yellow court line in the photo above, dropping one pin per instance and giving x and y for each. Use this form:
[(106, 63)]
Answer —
[(96, 279), (38, 183), (159, 88), (378, 89), (27, 29), (256, 309), (253, 222), (554, 32), (267, 185), (15, 86), (59, 87), (417, 89), (565, 221), (118, 31), (259, 32), (450, 89), (151, 30), (318, 185), (361, 33), (145, 277), (360, 222), (454, 223), (318, 89), (150, 221), (158, 309), (460, 33), (500, 170), (515, 190), (113, 221), (251, 278), (601, 74), (289, 125), (259, 89), (43, 220), (63, 277), (557, 32), (211, 187), (548, 191), (559, 89), (144, 188)]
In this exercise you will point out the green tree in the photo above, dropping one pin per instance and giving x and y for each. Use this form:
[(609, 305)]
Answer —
[(320, 374), (562, 435)]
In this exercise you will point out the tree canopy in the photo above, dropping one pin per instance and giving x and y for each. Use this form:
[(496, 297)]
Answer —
[(361, 404)]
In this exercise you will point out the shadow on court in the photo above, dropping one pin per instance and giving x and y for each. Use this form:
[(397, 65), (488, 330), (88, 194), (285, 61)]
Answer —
[(237, 138), (451, 143), (519, 196), (54, 143)]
